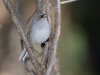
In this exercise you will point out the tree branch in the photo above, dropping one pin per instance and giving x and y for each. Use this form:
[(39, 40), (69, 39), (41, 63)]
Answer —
[(45, 56), (52, 54), (68, 1), (26, 24), (29, 47)]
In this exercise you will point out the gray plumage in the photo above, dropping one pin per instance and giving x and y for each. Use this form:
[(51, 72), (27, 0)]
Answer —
[(39, 32)]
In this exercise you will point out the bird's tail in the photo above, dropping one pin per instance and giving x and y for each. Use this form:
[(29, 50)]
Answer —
[(24, 53)]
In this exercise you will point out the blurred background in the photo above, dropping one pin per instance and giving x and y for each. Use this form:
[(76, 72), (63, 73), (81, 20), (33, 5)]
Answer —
[(79, 44)]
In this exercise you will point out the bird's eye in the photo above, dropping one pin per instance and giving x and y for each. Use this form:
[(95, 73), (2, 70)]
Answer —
[(42, 16)]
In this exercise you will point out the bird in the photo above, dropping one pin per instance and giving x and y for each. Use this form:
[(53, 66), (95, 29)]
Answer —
[(39, 32)]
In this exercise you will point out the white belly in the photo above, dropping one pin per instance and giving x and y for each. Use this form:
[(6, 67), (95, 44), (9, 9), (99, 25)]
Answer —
[(40, 32)]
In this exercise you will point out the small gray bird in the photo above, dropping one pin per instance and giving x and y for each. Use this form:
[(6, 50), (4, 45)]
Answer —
[(39, 32)]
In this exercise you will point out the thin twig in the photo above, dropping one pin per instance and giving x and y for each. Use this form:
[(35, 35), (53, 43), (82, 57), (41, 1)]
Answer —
[(52, 55), (68, 1), (37, 4), (16, 8), (26, 24), (63, 2), (45, 55), (29, 47), (18, 14), (27, 67)]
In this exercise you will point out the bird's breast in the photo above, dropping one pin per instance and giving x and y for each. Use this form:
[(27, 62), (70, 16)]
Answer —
[(40, 32)]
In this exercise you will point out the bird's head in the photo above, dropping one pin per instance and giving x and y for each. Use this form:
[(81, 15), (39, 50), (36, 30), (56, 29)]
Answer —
[(39, 17)]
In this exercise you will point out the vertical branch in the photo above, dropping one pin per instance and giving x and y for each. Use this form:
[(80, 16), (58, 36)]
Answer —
[(26, 24), (37, 6), (48, 12), (18, 14), (52, 54)]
